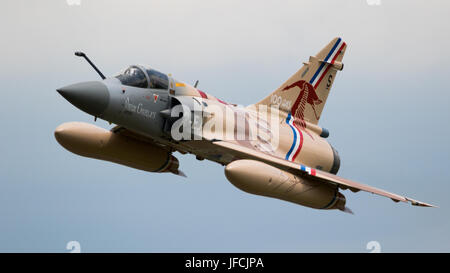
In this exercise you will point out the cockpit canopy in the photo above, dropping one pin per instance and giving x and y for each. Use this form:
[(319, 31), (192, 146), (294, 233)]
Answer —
[(138, 76)]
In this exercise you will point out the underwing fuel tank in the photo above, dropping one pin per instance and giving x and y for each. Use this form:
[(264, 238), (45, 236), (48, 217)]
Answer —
[(262, 179), (91, 141)]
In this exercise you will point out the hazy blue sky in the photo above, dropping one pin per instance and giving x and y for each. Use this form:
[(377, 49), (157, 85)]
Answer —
[(388, 115)]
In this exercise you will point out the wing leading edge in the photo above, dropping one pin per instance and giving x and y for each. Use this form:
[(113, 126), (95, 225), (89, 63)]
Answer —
[(295, 168)]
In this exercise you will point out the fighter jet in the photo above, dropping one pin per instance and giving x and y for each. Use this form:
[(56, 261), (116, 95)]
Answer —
[(274, 148)]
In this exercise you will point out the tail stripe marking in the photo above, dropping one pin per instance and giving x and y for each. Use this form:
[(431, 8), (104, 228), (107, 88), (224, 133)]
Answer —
[(318, 76), (298, 139), (328, 66), (301, 140)]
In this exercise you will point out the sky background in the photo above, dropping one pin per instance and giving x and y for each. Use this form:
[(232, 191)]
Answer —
[(388, 115)]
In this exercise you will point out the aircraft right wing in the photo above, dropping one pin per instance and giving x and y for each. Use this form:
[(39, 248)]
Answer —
[(243, 152)]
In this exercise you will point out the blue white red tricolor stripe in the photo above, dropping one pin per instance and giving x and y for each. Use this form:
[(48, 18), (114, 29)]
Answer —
[(298, 139), (329, 59), (308, 170)]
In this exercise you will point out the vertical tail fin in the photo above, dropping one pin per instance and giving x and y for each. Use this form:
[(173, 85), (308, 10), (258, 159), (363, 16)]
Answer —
[(304, 94)]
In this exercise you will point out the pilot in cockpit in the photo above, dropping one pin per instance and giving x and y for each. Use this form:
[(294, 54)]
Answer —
[(140, 77)]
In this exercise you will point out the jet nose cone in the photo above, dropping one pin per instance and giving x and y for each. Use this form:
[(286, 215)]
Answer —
[(91, 97)]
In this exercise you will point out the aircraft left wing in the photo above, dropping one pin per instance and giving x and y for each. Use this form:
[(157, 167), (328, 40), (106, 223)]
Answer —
[(243, 152)]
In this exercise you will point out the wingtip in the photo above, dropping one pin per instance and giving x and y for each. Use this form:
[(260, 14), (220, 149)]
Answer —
[(180, 173), (347, 210), (420, 204)]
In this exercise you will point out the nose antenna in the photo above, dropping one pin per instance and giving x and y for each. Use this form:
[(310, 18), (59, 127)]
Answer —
[(81, 54)]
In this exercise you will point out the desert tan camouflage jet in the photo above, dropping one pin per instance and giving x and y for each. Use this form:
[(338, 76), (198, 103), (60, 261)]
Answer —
[(273, 148)]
